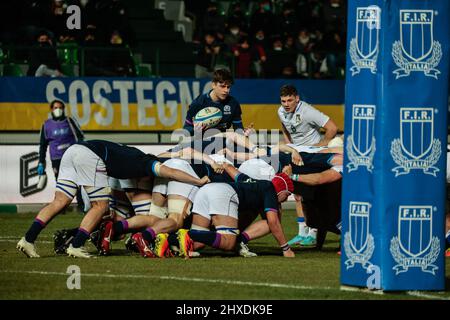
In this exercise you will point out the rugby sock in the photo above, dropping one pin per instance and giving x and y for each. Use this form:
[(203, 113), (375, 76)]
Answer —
[(302, 227), (209, 238), (243, 237), (80, 238), (312, 232), (173, 239), (120, 227), (149, 235), (35, 229)]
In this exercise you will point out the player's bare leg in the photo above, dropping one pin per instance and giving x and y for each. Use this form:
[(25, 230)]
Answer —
[(26, 244), (302, 227), (88, 224)]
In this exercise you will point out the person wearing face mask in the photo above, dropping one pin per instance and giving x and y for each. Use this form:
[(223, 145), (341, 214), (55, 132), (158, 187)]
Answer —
[(233, 37), (60, 132), (43, 58)]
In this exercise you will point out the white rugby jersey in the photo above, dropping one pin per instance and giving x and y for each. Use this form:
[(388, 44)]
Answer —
[(303, 124)]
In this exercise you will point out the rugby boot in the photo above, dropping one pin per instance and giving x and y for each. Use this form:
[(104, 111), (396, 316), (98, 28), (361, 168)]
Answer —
[(143, 246), (296, 240), (27, 248), (78, 252), (161, 248), (185, 242)]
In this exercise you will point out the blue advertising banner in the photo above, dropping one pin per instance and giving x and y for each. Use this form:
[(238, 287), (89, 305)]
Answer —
[(150, 104), (396, 117)]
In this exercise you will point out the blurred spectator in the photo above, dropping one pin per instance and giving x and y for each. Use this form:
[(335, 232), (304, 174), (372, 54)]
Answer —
[(289, 47), (259, 53), (262, 18), (43, 58), (334, 16), (207, 55), (278, 61), (113, 60), (304, 42), (243, 54), (335, 53), (237, 17), (289, 22), (213, 22), (57, 17), (233, 37), (318, 63), (309, 13)]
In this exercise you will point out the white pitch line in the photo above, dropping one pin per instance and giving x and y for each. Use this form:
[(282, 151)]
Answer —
[(11, 240), (132, 276), (425, 296), (418, 294), (221, 281), (19, 237)]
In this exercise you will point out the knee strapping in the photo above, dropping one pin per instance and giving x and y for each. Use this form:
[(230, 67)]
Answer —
[(227, 230), (142, 206), (198, 228), (67, 187), (120, 207), (179, 206), (98, 194), (157, 211)]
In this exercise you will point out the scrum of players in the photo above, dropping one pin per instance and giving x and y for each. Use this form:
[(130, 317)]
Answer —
[(208, 191)]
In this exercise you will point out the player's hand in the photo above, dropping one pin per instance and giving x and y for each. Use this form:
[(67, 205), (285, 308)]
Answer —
[(297, 158), (287, 170), (260, 152), (199, 127), (249, 130), (217, 167), (40, 169), (289, 253), (204, 180)]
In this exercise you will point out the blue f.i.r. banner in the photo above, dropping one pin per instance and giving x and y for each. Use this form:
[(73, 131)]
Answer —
[(393, 202)]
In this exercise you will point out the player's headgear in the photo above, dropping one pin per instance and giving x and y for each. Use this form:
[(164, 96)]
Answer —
[(282, 182)]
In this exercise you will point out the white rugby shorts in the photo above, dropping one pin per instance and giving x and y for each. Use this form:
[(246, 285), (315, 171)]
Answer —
[(82, 166), (216, 199), (168, 187)]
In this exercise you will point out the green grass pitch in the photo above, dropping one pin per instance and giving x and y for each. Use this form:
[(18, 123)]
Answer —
[(216, 275)]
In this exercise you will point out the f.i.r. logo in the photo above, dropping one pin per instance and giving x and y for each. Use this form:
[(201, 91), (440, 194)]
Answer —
[(416, 51)]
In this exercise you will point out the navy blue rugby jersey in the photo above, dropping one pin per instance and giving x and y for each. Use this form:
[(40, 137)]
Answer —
[(121, 161), (255, 195), (312, 162), (230, 107)]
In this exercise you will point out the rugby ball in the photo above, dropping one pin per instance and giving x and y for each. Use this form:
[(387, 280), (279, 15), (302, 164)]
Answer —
[(209, 116)]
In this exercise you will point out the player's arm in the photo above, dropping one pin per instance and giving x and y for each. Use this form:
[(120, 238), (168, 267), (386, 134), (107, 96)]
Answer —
[(296, 157), (286, 135), (243, 141), (330, 132), (239, 156), (163, 171), (190, 153), (231, 170), (237, 119), (43, 144), (314, 179), (277, 231)]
